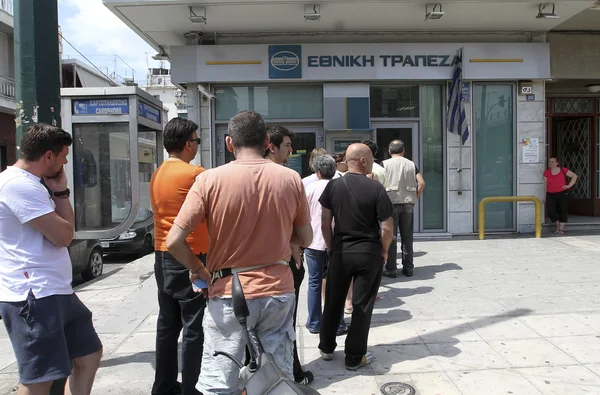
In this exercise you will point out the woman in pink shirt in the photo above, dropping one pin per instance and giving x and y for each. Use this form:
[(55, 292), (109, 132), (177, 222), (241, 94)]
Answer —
[(556, 189)]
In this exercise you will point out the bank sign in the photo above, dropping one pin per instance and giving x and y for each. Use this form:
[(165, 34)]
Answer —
[(320, 62), (286, 61)]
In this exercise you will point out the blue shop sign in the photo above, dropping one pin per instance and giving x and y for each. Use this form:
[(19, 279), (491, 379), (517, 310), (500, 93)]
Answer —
[(149, 112), (117, 106)]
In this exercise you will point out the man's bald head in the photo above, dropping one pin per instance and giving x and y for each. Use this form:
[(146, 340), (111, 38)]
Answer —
[(359, 158)]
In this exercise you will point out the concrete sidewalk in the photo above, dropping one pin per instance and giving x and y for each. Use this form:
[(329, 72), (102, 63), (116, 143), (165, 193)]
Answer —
[(500, 316)]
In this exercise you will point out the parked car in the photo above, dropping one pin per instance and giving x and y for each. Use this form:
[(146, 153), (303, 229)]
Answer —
[(139, 239), (86, 258)]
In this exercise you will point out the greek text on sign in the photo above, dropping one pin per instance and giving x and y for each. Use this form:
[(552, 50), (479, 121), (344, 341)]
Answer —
[(101, 107), (381, 60), (149, 112)]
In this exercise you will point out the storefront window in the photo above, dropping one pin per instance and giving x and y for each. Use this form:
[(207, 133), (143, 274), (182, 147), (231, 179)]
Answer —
[(272, 102), (494, 145), (433, 156), (393, 101)]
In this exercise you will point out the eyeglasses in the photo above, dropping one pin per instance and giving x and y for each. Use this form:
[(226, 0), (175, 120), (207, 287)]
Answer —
[(197, 140)]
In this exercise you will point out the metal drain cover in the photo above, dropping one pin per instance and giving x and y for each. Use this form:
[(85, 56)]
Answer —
[(397, 389)]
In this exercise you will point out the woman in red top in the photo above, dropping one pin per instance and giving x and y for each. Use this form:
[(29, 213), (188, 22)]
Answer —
[(556, 190)]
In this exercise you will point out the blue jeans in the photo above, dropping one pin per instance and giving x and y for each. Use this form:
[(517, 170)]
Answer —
[(316, 260)]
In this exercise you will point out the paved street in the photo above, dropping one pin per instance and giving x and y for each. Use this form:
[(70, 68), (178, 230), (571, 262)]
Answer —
[(517, 316)]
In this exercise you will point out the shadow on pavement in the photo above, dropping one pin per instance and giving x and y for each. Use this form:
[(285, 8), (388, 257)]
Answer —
[(422, 273), (394, 353), (140, 357), (79, 287)]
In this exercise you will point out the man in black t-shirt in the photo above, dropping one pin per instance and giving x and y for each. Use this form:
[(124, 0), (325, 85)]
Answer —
[(358, 248)]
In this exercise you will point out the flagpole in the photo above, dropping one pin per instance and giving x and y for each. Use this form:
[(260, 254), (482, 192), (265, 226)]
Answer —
[(460, 144)]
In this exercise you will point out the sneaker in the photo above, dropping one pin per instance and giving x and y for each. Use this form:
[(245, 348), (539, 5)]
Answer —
[(326, 356), (307, 378), (366, 360), (313, 331), (389, 274)]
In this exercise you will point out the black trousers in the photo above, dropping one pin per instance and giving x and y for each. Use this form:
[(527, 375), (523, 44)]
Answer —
[(298, 278), (365, 269), (557, 206), (180, 308), (403, 221)]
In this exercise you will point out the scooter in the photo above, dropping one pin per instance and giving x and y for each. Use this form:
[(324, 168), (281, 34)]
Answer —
[(261, 376)]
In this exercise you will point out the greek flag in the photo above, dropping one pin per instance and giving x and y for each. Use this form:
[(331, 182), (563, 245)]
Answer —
[(457, 120)]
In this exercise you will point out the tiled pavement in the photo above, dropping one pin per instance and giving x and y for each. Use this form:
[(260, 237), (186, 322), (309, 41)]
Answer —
[(500, 316)]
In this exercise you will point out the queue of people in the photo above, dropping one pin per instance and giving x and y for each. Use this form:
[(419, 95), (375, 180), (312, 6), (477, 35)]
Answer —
[(339, 219)]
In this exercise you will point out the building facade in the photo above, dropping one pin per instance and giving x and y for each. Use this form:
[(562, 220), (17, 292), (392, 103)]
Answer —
[(356, 76), (8, 145), (159, 85)]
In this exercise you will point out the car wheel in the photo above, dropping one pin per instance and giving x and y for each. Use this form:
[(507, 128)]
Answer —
[(94, 267), (147, 247)]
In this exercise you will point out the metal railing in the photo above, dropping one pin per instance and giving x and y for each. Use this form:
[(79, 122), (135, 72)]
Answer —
[(7, 88), (7, 6), (511, 199)]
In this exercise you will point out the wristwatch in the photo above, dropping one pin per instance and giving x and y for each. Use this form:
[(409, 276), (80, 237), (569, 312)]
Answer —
[(62, 194)]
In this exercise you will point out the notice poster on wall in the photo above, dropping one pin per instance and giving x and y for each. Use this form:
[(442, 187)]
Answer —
[(295, 163), (531, 150)]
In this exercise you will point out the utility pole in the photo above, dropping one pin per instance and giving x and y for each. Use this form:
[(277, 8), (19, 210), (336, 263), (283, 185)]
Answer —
[(37, 75), (37, 64)]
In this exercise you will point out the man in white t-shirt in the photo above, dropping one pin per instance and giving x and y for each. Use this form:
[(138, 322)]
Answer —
[(50, 329)]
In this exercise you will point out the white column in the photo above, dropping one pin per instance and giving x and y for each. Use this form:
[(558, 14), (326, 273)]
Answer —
[(193, 114), (206, 132), (460, 185), (530, 179)]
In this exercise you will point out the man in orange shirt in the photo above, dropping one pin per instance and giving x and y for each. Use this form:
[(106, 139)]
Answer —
[(179, 306), (254, 209)]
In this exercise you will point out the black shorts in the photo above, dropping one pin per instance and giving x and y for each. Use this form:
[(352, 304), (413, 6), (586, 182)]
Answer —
[(47, 334)]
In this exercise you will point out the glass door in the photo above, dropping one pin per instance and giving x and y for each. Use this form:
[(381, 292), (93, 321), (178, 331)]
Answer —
[(493, 115), (305, 140), (408, 132)]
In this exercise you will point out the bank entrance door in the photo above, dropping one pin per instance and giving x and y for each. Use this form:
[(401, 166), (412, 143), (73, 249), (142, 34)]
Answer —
[(408, 132), (307, 138)]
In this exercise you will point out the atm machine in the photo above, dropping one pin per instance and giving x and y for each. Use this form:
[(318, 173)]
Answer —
[(117, 145)]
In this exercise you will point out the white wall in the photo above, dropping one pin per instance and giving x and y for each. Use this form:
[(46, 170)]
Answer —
[(460, 207), (7, 58), (530, 124)]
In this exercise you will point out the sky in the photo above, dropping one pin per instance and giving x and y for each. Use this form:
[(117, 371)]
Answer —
[(100, 36)]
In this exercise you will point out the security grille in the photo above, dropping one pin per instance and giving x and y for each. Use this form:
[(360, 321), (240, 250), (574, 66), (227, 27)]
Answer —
[(574, 153), (573, 106)]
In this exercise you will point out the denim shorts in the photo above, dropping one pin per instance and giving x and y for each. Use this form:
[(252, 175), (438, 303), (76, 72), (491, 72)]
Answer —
[(47, 334), (272, 318)]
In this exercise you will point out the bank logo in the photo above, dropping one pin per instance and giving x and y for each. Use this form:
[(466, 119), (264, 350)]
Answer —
[(285, 61)]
